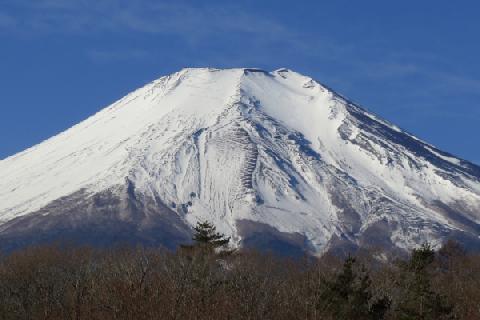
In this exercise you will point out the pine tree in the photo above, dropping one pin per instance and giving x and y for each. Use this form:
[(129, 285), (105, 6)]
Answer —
[(206, 235), (206, 241), (419, 301), (349, 296)]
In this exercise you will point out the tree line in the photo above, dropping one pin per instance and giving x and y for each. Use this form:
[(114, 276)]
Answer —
[(206, 280)]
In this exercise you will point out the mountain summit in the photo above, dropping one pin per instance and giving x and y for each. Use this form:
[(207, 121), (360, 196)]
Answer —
[(274, 159)]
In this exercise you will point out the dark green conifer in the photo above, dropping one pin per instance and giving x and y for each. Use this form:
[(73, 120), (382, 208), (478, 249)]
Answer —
[(419, 300), (349, 296), (206, 235)]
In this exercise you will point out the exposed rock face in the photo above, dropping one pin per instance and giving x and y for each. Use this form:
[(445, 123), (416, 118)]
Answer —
[(275, 160)]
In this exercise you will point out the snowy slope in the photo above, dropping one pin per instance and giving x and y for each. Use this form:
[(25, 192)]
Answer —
[(252, 152)]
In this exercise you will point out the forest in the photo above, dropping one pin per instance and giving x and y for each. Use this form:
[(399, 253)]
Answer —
[(207, 280)]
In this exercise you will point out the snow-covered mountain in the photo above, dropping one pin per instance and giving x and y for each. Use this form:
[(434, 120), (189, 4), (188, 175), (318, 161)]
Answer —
[(274, 159)]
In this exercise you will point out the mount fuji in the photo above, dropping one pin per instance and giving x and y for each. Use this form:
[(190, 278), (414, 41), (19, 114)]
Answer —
[(275, 160)]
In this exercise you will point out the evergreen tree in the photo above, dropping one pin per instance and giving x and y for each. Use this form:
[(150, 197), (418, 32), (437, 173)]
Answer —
[(206, 235), (418, 300), (348, 296)]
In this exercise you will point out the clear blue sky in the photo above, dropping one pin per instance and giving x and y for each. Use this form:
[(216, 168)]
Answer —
[(415, 63)]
